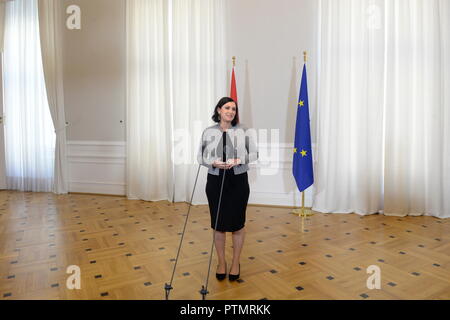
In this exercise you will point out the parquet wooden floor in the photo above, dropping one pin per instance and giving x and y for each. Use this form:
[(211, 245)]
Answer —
[(126, 248)]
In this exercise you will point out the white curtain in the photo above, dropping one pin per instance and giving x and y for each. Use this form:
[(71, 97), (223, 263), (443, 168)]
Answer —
[(348, 164), (51, 44), (417, 173), (176, 73), (383, 107), (149, 175), (199, 80), (2, 24), (29, 131)]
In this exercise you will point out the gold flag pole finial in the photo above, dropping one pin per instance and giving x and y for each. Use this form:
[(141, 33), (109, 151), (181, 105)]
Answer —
[(304, 56), (234, 61)]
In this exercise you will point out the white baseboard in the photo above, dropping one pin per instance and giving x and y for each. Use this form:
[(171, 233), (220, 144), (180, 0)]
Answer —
[(97, 187)]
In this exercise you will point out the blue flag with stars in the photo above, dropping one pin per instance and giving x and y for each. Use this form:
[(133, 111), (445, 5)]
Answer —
[(303, 164)]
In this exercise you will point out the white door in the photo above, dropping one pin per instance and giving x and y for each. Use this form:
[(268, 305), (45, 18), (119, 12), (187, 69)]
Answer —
[(2, 132)]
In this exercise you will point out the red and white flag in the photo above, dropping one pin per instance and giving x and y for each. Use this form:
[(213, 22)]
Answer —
[(233, 91)]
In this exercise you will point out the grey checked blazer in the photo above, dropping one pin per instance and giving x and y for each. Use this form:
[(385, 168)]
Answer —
[(240, 144)]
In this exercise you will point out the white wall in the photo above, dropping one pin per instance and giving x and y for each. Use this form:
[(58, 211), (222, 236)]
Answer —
[(94, 96), (267, 37), (94, 71)]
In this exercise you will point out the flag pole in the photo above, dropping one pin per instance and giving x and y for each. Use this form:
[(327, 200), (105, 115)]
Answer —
[(234, 61), (303, 192), (302, 212)]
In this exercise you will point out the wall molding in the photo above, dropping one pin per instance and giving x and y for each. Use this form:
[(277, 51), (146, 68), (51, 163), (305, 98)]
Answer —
[(100, 167), (97, 167)]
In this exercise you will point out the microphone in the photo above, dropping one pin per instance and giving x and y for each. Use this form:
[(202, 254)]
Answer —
[(224, 145)]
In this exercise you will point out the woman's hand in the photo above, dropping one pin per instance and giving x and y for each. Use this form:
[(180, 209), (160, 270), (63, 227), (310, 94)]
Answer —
[(233, 162), (226, 165), (219, 164)]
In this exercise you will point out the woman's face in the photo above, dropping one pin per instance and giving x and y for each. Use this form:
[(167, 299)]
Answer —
[(228, 111)]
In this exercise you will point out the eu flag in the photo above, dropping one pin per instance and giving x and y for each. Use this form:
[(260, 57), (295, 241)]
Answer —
[(302, 164)]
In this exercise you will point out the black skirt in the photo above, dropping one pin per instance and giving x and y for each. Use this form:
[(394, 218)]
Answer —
[(234, 200)]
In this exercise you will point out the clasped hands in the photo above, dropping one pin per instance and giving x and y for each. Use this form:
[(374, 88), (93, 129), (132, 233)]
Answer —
[(230, 163)]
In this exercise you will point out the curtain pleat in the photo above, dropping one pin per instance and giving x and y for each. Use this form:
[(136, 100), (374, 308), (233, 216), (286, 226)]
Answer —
[(51, 44)]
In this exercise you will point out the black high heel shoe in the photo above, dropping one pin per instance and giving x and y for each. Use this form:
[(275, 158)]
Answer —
[(234, 277), (221, 276)]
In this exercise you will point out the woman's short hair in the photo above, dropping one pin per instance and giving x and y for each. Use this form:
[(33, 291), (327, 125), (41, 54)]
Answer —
[(220, 104)]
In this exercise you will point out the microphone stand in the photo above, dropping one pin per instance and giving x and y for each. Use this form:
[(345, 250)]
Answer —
[(204, 291), (168, 286)]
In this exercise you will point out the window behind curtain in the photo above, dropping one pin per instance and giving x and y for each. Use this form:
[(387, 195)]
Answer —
[(29, 131)]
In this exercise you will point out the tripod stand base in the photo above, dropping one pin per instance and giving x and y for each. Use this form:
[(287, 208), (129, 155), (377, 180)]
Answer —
[(167, 287), (203, 292)]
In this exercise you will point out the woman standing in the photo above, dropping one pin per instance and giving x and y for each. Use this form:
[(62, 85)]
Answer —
[(226, 149)]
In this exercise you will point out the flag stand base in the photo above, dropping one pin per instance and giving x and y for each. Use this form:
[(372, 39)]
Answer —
[(305, 213), (302, 211)]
